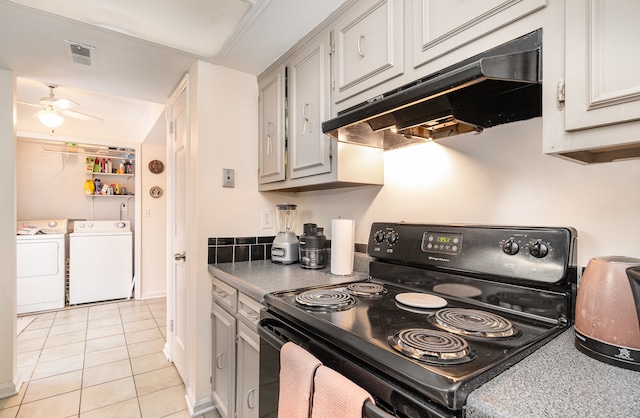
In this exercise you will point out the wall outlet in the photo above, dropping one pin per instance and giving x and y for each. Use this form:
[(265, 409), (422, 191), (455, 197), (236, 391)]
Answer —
[(124, 209), (266, 216), (227, 177), (147, 213)]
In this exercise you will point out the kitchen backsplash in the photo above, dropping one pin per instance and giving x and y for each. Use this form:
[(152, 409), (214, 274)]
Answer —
[(237, 249)]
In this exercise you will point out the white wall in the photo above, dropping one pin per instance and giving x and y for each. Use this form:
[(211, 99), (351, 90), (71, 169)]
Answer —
[(51, 186), (499, 177), (9, 379), (152, 231)]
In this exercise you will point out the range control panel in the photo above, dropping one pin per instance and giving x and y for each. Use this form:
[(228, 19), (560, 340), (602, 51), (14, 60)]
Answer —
[(527, 253)]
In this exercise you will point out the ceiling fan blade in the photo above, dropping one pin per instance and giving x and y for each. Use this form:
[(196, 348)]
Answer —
[(64, 104), (28, 104), (82, 116)]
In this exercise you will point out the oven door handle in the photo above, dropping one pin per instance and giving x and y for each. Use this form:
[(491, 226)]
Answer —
[(283, 334), (372, 411)]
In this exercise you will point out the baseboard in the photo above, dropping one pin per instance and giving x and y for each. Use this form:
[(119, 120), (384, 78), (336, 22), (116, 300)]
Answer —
[(198, 408), (154, 295), (10, 389)]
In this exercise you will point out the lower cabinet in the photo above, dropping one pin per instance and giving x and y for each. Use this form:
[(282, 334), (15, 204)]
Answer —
[(248, 376), (235, 362), (223, 361)]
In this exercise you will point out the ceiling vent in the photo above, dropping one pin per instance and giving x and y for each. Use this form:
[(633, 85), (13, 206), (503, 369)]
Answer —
[(80, 53)]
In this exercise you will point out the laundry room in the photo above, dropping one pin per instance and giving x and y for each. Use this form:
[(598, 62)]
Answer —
[(85, 195)]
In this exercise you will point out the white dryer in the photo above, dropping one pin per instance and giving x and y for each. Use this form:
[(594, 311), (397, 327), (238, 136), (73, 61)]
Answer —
[(41, 265), (101, 261)]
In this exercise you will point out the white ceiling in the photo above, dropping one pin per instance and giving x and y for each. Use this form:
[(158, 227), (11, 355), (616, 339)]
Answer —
[(139, 52)]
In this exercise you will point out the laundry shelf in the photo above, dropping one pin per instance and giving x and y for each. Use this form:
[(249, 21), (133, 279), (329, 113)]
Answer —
[(94, 151)]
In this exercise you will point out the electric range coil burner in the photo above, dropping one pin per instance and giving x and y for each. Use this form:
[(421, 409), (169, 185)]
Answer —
[(366, 289), (325, 300), (431, 346), (473, 323)]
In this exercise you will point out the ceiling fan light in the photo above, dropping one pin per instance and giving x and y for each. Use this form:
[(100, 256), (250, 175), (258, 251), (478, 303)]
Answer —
[(50, 119)]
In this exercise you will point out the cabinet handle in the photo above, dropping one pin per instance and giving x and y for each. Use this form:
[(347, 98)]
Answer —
[(360, 50), (251, 399), (251, 315), (305, 116), (180, 256), (269, 129), (218, 359), (221, 294)]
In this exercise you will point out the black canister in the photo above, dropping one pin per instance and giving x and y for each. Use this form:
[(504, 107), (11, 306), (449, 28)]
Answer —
[(313, 254)]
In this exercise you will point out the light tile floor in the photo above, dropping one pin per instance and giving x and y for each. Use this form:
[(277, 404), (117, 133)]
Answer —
[(99, 360)]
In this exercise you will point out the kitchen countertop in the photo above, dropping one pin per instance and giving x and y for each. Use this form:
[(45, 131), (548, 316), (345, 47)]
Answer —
[(257, 278), (558, 381), (555, 381)]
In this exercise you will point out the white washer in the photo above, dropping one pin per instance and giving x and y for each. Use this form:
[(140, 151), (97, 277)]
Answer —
[(101, 261), (40, 265)]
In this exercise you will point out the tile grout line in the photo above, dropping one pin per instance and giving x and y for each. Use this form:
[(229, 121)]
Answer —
[(119, 305)]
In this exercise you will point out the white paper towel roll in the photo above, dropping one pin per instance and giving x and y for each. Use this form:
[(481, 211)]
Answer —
[(342, 236)]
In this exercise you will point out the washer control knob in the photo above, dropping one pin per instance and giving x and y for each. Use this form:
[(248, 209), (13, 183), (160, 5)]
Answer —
[(510, 247), (379, 236), (392, 238), (539, 249)]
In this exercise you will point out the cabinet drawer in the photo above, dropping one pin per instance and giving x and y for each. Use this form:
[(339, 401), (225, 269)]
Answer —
[(249, 310), (225, 295)]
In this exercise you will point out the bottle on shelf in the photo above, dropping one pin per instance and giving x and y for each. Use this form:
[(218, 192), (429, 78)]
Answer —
[(109, 166), (97, 186), (89, 187), (96, 165), (121, 169)]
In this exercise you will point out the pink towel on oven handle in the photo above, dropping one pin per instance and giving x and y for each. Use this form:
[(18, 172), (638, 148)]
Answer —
[(335, 396), (297, 368)]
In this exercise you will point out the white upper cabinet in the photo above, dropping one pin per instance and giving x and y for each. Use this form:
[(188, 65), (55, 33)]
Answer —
[(271, 134), (309, 104), (368, 40), (593, 108), (314, 160), (440, 26), (603, 81)]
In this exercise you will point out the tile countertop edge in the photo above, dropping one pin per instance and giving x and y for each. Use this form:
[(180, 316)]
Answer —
[(257, 278), (558, 381)]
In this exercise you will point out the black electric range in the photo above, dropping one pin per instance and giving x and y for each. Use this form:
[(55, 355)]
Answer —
[(446, 308)]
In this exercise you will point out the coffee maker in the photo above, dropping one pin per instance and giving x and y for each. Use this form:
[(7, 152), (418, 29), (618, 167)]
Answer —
[(285, 245)]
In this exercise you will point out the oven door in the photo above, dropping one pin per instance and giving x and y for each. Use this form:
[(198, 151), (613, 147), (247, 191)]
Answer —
[(391, 400)]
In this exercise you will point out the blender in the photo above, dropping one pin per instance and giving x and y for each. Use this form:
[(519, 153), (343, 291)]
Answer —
[(285, 245)]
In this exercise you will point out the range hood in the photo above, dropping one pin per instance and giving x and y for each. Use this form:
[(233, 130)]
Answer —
[(501, 85)]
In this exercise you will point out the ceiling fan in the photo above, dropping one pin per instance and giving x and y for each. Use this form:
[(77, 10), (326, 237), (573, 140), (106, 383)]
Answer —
[(53, 109)]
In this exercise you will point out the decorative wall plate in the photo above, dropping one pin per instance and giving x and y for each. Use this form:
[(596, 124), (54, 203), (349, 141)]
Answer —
[(156, 166), (155, 192)]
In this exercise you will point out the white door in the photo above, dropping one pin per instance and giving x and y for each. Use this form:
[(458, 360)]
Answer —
[(177, 144)]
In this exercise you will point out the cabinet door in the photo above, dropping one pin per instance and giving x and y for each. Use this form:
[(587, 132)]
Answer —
[(310, 149), (223, 367), (437, 30), (602, 79), (368, 46), (248, 372), (271, 135), (591, 98)]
